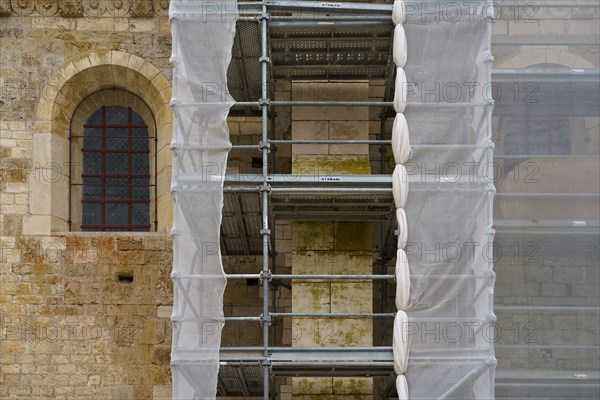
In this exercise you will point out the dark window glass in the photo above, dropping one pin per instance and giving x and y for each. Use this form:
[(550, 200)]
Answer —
[(535, 136), (116, 171)]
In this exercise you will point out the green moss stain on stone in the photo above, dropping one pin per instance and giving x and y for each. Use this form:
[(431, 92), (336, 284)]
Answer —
[(353, 236), (313, 236), (330, 164)]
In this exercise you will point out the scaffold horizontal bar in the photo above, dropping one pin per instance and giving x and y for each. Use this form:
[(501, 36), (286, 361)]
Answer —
[(533, 346), (307, 141), (380, 142), (328, 7), (548, 194), (209, 319), (324, 276), (595, 309), (385, 9), (356, 22), (530, 156), (347, 104), (511, 74), (583, 43), (183, 147)]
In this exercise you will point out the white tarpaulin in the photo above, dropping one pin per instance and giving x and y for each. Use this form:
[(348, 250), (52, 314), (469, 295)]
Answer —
[(443, 330), (203, 33)]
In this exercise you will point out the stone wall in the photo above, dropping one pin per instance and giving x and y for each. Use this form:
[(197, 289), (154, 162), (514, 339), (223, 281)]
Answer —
[(530, 274), (327, 247), (73, 326), (85, 315)]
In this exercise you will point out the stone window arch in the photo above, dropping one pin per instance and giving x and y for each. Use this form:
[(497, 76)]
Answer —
[(92, 79), (546, 146)]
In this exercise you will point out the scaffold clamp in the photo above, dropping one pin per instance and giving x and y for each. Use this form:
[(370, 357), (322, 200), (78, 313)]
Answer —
[(265, 187), (266, 275), (264, 320)]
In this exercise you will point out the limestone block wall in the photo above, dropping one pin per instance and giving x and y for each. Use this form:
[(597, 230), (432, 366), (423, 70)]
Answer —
[(333, 123), (84, 315), (331, 247), (530, 275), (530, 22)]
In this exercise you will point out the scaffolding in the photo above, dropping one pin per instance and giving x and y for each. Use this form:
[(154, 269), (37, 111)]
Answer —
[(297, 41)]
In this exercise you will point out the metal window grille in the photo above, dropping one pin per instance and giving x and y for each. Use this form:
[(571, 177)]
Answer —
[(116, 171)]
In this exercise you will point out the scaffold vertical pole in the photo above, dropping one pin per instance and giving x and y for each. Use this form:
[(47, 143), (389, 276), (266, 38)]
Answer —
[(490, 17), (264, 60)]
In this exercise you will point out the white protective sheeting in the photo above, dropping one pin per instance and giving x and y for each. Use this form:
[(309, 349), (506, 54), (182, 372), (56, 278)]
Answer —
[(402, 280), (400, 343), (402, 387), (399, 50), (445, 219), (401, 140), (203, 35), (401, 91), (401, 151), (400, 185), (399, 12)]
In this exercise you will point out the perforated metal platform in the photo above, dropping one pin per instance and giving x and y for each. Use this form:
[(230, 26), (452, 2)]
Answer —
[(301, 197), (303, 48)]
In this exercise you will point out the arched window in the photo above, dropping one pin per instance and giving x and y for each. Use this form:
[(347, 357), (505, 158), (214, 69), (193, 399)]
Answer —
[(116, 181)]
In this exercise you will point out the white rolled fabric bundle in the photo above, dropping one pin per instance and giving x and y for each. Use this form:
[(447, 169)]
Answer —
[(402, 387), (399, 47), (402, 228), (399, 12), (401, 140), (400, 343), (402, 280), (400, 186), (401, 91)]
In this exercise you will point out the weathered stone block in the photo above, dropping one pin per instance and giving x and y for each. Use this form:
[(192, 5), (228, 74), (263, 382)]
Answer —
[(319, 165), (349, 297), (353, 386), (327, 113), (129, 244), (312, 386), (162, 392), (353, 236), (309, 332), (311, 297), (36, 224), (313, 235)]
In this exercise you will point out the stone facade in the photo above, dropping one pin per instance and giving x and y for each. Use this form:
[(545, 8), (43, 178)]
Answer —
[(86, 315), (83, 315)]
